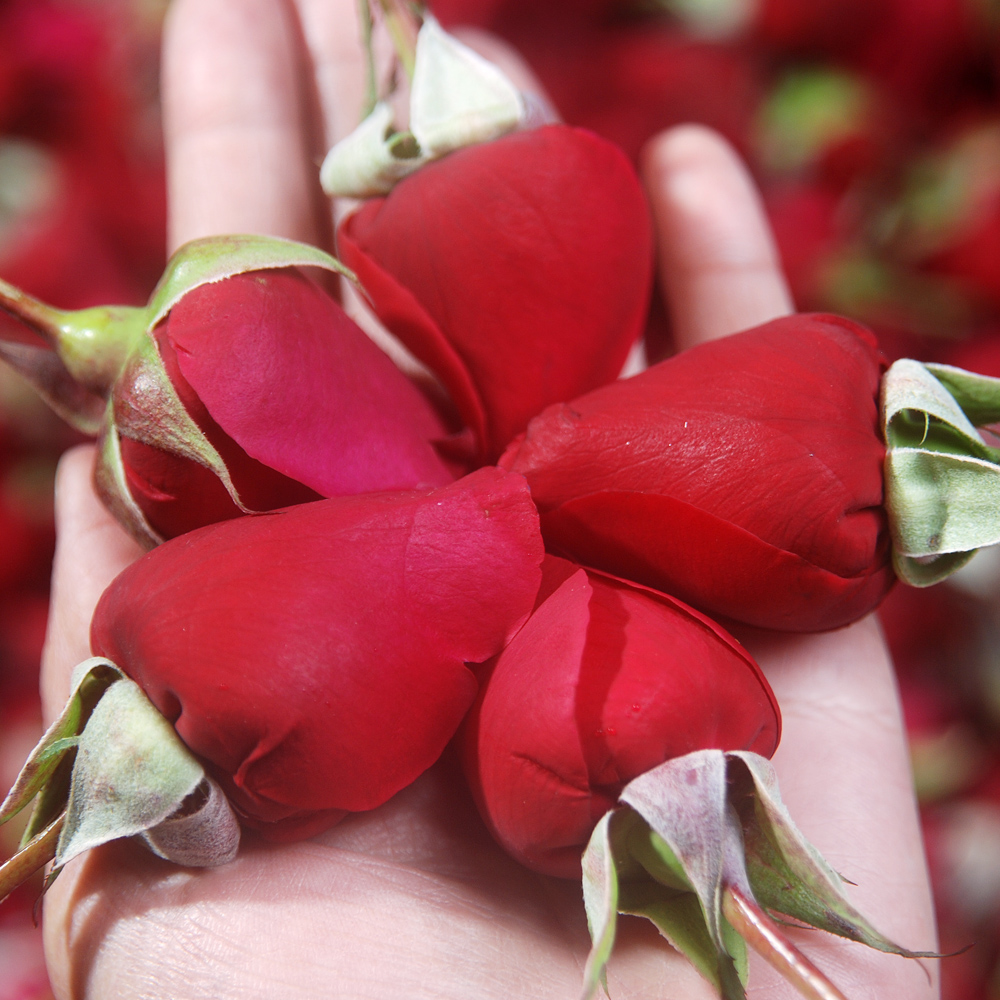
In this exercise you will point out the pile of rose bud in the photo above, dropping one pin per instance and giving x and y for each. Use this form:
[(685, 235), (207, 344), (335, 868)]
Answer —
[(393, 587)]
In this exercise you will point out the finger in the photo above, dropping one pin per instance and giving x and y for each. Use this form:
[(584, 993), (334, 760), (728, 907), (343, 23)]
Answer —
[(92, 549), (332, 35), (845, 777), (238, 157), (718, 263)]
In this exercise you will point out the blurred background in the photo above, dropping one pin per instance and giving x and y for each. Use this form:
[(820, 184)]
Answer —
[(873, 128)]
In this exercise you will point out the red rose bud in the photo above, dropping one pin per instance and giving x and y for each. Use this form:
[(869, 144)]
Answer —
[(518, 270), (607, 680), (620, 716), (242, 386), (743, 475), (333, 679), (312, 659)]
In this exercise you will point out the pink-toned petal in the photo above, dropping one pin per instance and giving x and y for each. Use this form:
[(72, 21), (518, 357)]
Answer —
[(296, 383)]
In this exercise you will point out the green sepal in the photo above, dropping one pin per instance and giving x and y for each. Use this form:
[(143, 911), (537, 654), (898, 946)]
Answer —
[(58, 740), (131, 772), (687, 833), (85, 351), (372, 159), (787, 874), (112, 487), (112, 766), (684, 803), (942, 480), (665, 897), (681, 921), (659, 861), (162, 421), (457, 99), (666, 854), (32, 855), (213, 258), (95, 343), (977, 395), (45, 372), (601, 862)]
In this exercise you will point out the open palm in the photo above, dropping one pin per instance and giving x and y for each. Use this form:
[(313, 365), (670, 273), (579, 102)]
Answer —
[(414, 899)]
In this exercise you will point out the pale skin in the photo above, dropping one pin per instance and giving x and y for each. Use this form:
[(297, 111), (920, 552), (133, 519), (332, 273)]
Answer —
[(414, 899)]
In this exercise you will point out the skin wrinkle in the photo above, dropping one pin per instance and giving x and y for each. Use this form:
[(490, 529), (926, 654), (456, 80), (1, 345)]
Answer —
[(393, 878)]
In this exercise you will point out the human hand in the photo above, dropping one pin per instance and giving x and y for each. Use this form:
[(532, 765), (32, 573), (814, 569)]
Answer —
[(414, 898)]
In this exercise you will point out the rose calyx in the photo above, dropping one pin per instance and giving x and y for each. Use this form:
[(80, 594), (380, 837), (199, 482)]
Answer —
[(703, 847), (457, 98), (942, 480), (91, 347), (111, 766), (241, 387)]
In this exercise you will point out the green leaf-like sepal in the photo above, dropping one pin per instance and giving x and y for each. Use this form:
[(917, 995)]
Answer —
[(787, 874), (942, 480), (160, 420), (131, 772), (90, 680), (457, 99), (213, 258), (692, 836), (601, 862), (111, 766), (112, 486), (371, 160)]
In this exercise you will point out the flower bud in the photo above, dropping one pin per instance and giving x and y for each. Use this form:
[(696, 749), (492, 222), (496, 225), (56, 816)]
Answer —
[(312, 660), (315, 657), (242, 386), (623, 737), (743, 475), (517, 270), (607, 680)]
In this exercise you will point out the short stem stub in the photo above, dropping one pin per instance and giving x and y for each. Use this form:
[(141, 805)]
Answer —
[(766, 938), (39, 317), (37, 853), (403, 25)]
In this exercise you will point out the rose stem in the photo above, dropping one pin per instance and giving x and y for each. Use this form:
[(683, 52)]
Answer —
[(766, 938), (41, 318), (40, 850), (402, 25), (371, 81)]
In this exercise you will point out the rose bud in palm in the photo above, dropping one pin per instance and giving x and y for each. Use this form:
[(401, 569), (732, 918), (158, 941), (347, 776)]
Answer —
[(307, 663), (242, 386), (624, 737), (743, 475), (517, 270)]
